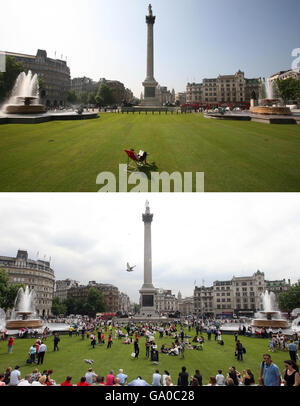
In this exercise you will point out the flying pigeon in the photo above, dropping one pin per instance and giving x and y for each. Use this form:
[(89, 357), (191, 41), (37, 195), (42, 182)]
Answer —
[(89, 361), (130, 268)]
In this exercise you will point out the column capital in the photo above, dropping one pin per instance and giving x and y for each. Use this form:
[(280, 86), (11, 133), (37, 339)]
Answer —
[(147, 218), (150, 20)]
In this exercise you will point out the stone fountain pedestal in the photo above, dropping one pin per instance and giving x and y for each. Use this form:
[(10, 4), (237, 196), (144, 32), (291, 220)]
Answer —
[(24, 322), (268, 321), (28, 106), (267, 108)]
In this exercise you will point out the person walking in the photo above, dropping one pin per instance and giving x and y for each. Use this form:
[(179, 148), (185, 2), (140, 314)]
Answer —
[(136, 349), (56, 341), (148, 345), (10, 344), (109, 341), (292, 347), (269, 372), (32, 353), (182, 348), (239, 350), (41, 353)]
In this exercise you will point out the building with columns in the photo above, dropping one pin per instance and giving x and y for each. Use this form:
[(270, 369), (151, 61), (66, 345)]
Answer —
[(235, 89), (240, 295), (62, 287), (110, 293), (125, 306), (54, 73), (165, 301), (35, 274)]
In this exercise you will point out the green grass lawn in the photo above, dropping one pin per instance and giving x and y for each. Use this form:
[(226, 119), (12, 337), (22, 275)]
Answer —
[(73, 351), (67, 156)]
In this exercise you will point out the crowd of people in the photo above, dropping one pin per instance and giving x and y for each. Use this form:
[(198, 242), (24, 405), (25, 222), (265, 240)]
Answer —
[(269, 375), (182, 338)]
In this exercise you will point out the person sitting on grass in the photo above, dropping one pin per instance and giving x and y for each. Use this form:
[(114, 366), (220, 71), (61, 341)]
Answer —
[(83, 382), (248, 378), (67, 382), (164, 349)]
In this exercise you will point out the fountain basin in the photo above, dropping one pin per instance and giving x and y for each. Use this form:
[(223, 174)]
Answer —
[(263, 323), (23, 109), (18, 324), (272, 111)]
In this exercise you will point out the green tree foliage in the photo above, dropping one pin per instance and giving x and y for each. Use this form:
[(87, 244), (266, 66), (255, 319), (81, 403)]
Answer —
[(83, 97), (8, 78), (92, 305), (91, 98), (72, 97), (95, 302), (290, 300), (8, 292), (104, 96), (58, 307), (289, 89)]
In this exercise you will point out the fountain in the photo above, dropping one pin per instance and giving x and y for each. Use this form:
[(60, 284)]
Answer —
[(25, 96), (23, 314), (269, 316), (270, 105)]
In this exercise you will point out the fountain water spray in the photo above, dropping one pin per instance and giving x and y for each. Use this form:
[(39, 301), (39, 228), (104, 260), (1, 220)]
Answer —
[(24, 313), (24, 97), (269, 316)]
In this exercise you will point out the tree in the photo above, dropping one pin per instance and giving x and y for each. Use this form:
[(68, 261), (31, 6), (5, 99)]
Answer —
[(94, 303), (104, 95), (8, 292), (58, 307), (290, 300), (83, 97), (72, 97), (8, 78), (91, 98), (289, 89)]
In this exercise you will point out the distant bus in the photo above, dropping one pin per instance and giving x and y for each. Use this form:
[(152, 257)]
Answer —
[(106, 316)]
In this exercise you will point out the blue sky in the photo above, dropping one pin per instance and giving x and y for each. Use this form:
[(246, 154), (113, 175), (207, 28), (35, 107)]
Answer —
[(194, 39)]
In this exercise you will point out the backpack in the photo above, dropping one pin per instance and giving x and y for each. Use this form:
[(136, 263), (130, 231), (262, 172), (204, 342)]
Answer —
[(244, 350)]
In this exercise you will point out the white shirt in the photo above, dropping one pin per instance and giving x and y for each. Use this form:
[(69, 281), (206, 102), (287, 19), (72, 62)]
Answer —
[(24, 382), (156, 380), (14, 377), (220, 379), (43, 348), (90, 377), (164, 379)]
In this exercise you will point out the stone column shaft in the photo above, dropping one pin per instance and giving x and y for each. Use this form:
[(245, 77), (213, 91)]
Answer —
[(150, 53)]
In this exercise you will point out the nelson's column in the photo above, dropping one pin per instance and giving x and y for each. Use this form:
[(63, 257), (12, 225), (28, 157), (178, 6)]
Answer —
[(150, 83), (148, 290)]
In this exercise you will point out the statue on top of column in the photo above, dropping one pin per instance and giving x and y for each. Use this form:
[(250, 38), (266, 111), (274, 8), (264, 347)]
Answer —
[(150, 10)]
